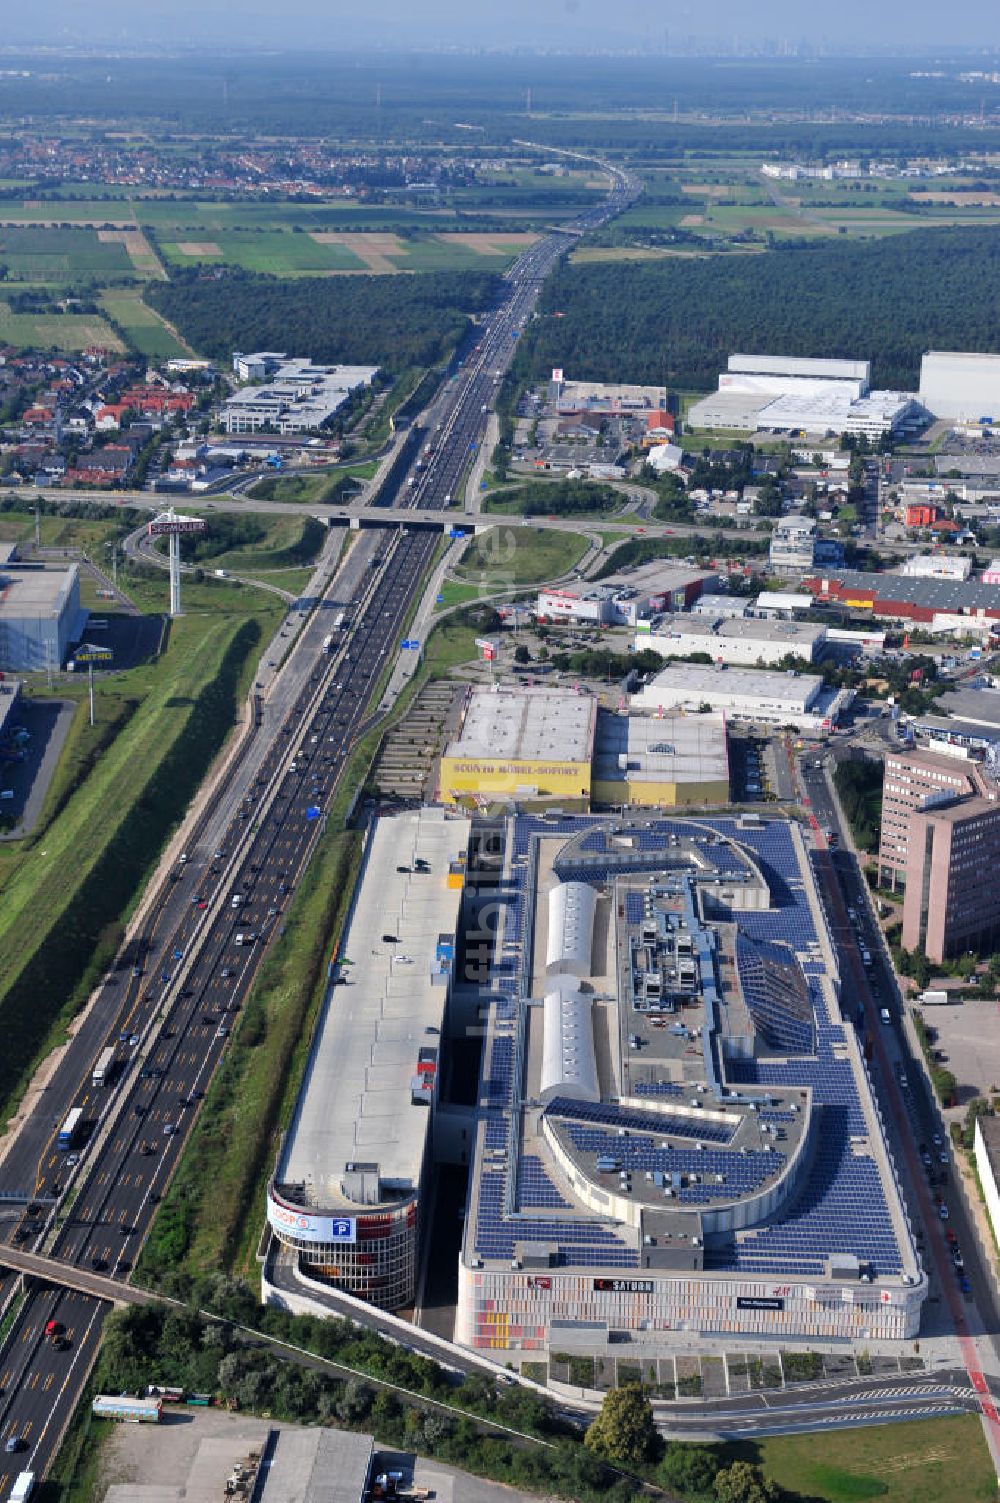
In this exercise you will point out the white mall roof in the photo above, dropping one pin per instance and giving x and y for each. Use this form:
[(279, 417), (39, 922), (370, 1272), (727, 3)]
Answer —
[(571, 928), (569, 1063)]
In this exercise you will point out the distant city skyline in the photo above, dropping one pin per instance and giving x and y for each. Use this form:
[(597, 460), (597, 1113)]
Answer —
[(573, 25)]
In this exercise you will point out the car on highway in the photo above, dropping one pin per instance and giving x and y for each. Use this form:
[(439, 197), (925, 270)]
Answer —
[(14, 1443), (943, 1211)]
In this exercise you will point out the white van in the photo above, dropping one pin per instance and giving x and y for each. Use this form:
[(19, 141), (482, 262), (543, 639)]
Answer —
[(884, 1015)]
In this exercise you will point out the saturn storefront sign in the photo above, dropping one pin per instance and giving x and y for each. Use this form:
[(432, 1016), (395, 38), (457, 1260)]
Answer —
[(293, 1221), (759, 1302)]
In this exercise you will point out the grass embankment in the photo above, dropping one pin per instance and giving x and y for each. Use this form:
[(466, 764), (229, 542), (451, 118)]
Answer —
[(59, 529), (561, 498), (63, 899), (328, 486), (505, 557), (259, 546), (212, 1215)]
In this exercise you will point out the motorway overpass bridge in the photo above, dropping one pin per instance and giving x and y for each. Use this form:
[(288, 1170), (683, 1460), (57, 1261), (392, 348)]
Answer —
[(67, 1276)]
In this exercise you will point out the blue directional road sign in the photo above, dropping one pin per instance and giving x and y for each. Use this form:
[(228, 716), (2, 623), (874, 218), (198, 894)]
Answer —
[(440, 600), (313, 811), (456, 532), (410, 644)]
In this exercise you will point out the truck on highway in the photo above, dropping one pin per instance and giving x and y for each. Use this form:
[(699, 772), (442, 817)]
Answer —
[(338, 620), (131, 1411), (328, 642), (105, 1067), (24, 1486), (70, 1130)]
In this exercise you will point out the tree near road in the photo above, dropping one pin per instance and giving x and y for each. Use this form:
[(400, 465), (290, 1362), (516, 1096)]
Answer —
[(624, 1430), (692, 1470), (743, 1483)]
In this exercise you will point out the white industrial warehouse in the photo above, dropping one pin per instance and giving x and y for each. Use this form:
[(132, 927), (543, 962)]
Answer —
[(799, 699), (747, 640), (790, 395), (960, 385)]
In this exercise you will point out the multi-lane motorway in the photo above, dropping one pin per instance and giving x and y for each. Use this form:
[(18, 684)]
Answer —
[(176, 989)]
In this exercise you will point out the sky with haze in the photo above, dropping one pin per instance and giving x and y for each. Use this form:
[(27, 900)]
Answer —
[(575, 24)]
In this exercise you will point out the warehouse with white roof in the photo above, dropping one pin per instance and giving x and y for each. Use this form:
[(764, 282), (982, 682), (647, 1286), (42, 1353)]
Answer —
[(747, 640), (788, 394), (961, 385), (753, 694)]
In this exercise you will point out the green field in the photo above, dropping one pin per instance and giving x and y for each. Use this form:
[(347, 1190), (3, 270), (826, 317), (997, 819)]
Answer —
[(280, 253), (143, 328), (57, 331), (287, 253), (89, 534), (506, 557), (60, 256), (258, 544), (174, 217), (306, 490), (932, 1461), (454, 593)]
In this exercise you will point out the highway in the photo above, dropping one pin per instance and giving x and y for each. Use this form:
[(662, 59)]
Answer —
[(176, 989)]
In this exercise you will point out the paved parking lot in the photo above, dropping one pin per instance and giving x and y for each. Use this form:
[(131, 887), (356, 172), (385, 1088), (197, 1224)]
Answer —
[(967, 1034), (48, 722)]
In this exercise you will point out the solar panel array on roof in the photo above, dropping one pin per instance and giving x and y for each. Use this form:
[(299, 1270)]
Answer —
[(740, 1173), (667, 1124), (535, 1187), (842, 1207), (776, 995)]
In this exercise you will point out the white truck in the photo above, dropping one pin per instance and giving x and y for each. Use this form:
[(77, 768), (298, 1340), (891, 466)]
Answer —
[(935, 997), (24, 1486)]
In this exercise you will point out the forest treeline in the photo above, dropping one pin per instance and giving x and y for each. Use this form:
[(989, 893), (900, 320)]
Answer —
[(393, 322), (676, 321)]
